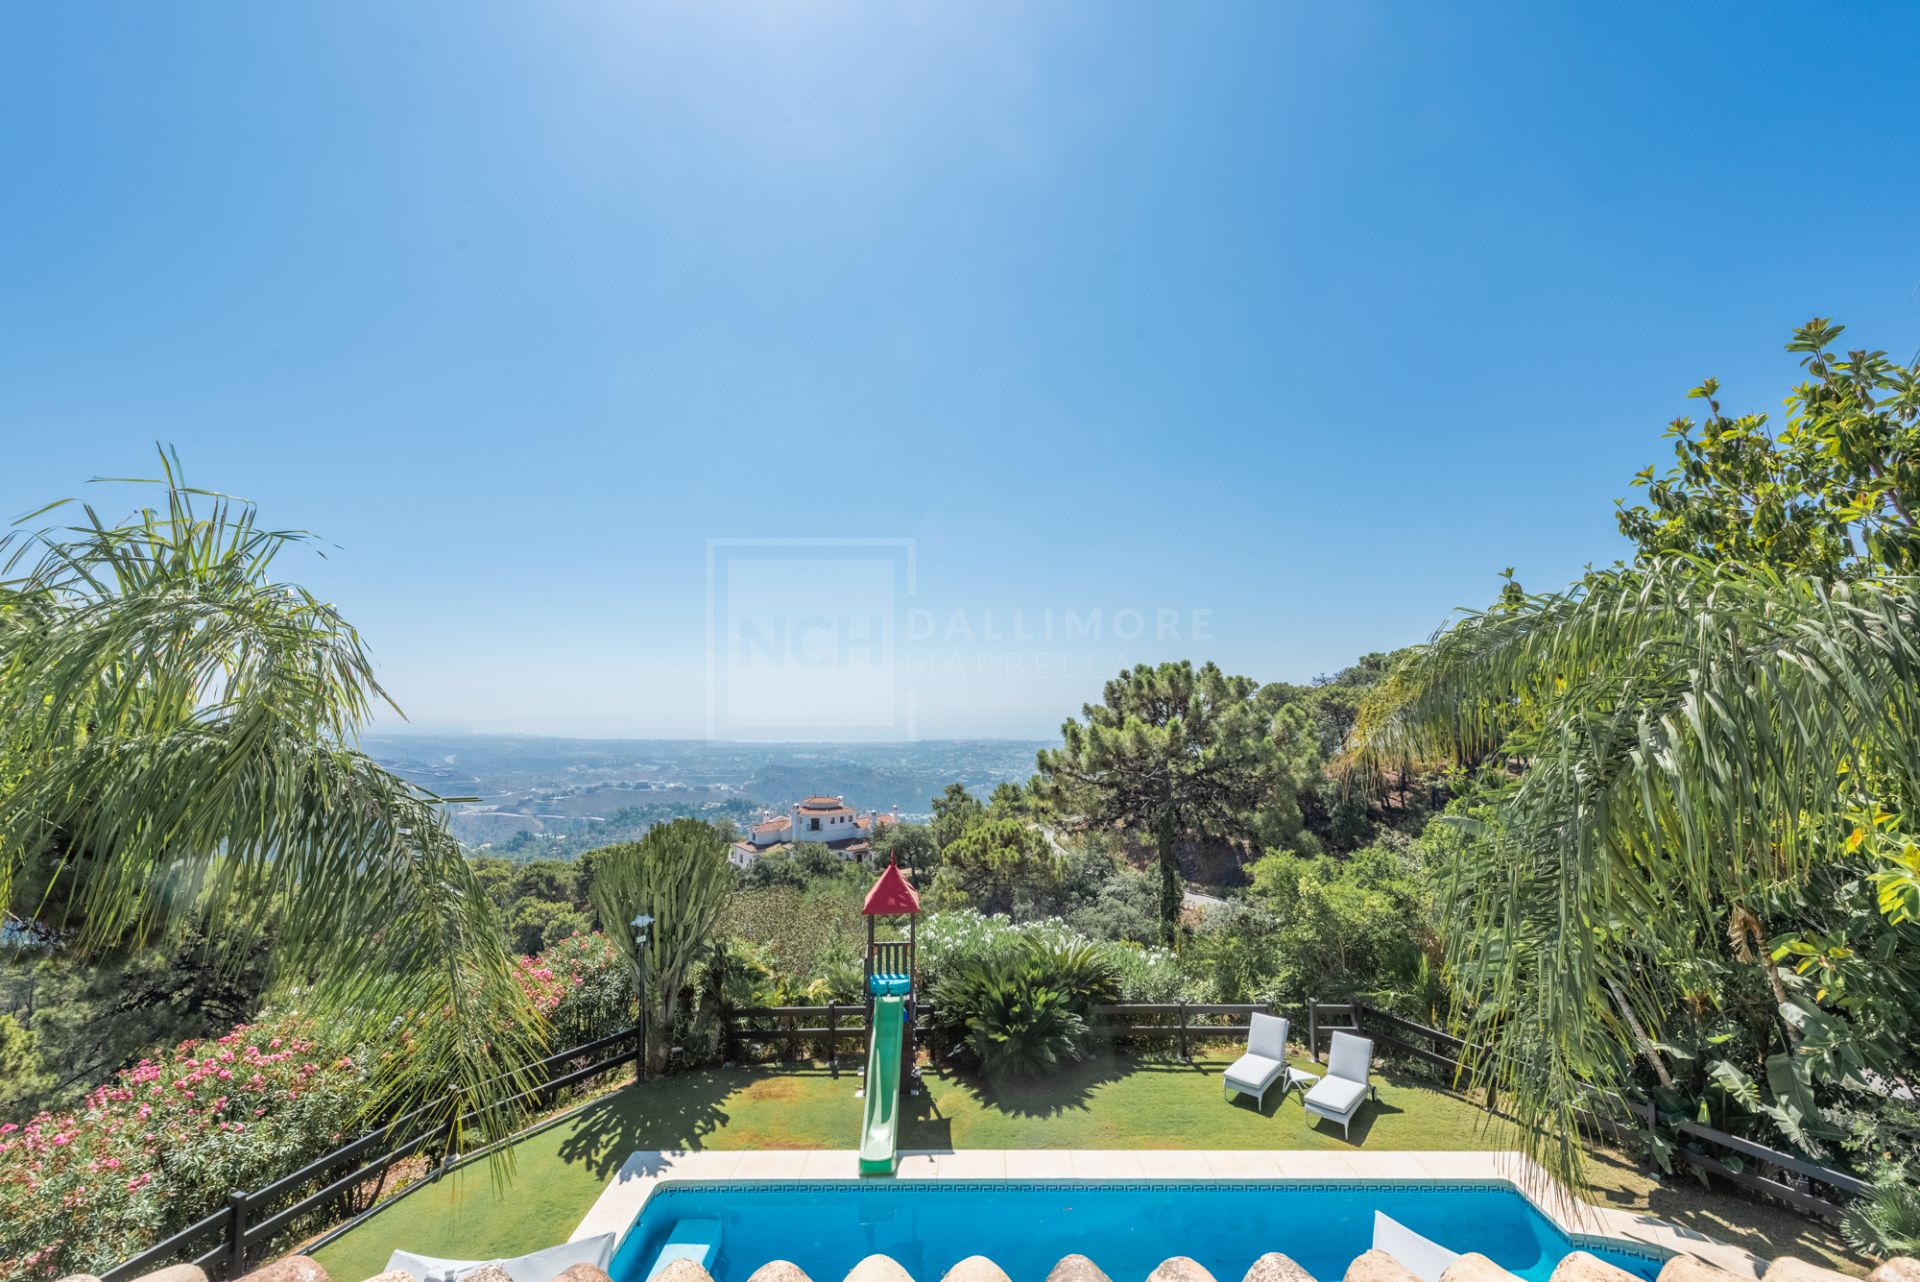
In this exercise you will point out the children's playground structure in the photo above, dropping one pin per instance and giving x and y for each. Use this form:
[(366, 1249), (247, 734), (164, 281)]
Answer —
[(891, 980)]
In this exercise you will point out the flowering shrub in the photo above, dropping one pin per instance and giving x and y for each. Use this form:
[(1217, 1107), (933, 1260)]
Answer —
[(1153, 975), (949, 939), (165, 1143), (582, 985)]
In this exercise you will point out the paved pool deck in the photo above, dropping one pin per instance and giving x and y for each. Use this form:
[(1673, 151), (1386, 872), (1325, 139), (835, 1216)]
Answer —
[(643, 1172)]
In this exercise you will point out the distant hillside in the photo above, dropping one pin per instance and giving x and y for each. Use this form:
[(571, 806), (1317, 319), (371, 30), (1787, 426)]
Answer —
[(569, 795)]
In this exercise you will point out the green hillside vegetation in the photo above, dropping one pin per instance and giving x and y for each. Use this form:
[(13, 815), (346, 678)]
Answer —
[(1704, 757)]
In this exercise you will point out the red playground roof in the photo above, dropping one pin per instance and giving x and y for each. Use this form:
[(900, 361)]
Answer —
[(891, 896)]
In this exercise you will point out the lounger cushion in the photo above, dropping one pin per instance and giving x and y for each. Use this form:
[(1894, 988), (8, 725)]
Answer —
[(537, 1267), (1254, 1073), (1420, 1256), (1267, 1036), (1336, 1095), (1349, 1056)]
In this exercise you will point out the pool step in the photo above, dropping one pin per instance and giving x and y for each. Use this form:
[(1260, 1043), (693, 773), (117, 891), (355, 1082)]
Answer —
[(696, 1241)]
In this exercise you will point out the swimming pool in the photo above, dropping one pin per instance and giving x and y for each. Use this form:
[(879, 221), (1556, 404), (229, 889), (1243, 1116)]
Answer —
[(1126, 1227)]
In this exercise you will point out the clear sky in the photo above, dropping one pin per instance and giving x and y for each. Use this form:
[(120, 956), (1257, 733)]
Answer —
[(1260, 332)]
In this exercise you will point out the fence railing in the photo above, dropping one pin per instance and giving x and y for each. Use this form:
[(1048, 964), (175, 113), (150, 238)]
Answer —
[(1183, 1022), (810, 1032), (797, 1032), (233, 1239), (354, 1176), (1725, 1156)]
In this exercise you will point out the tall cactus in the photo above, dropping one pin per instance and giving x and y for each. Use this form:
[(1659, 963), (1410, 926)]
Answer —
[(678, 874)]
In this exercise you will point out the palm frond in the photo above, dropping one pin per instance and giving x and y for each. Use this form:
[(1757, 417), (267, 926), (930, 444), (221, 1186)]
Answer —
[(182, 726), (1686, 733)]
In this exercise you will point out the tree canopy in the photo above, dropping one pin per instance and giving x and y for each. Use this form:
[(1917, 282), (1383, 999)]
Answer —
[(677, 874), (179, 747), (1173, 750), (1832, 495), (1696, 773)]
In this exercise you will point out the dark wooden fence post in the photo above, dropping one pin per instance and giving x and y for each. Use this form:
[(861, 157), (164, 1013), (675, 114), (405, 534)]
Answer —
[(1313, 1027), (237, 1236), (1183, 1031), (833, 1034)]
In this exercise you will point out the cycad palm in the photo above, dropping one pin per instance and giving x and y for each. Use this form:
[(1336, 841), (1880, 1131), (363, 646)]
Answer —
[(179, 739)]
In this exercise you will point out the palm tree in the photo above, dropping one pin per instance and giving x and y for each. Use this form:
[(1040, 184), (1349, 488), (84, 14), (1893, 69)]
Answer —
[(177, 739), (1674, 742)]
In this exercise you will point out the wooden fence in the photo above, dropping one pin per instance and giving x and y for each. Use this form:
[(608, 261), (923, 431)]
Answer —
[(829, 1031), (1797, 1181), (353, 1177), (237, 1236), (801, 1032), (825, 1032)]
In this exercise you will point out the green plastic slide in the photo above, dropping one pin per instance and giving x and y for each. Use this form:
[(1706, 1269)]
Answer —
[(879, 1134)]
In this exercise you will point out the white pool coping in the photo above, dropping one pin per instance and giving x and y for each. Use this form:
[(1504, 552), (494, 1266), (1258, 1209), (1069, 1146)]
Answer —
[(627, 1194)]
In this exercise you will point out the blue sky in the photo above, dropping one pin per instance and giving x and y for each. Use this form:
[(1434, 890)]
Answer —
[(1296, 323)]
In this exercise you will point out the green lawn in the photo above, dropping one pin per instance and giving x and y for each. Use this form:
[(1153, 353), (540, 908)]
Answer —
[(1119, 1103)]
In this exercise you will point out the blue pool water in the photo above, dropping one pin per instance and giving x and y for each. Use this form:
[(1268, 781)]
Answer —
[(1127, 1228)]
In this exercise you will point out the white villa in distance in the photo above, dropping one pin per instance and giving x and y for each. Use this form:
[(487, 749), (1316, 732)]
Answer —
[(827, 820)]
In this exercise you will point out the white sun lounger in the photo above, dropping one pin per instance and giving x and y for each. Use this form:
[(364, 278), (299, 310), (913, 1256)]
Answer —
[(1339, 1095), (537, 1267), (1265, 1061), (1422, 1257)]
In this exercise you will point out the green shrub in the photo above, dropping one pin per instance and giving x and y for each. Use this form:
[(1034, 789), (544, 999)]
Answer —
[(1022, 1024), (949, 940), (1153, 975), (1885, 1221), (1020, 1002), (801, 934), (1081, 968)]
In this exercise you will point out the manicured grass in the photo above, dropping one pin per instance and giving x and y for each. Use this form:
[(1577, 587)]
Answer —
[(1116, 1103)]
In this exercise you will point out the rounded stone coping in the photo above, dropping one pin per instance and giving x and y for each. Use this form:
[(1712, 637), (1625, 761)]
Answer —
[(1275, 1267), (292, 1268), (1687, 1268), (626, 1194), (1378, 1266), (678, 1271), (582, 1272), (976, 1268), (1584, 1266), (1787, 1269), (1180, 1268), (1475, 1267), (175, 1273), (878, 1268), (1077, 1268), (779, 1271)]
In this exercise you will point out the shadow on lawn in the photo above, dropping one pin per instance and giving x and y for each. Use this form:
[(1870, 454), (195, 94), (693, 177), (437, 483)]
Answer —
[(1356, 1133), (1766, 1231), (677, 1112), (1065, 1089)]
